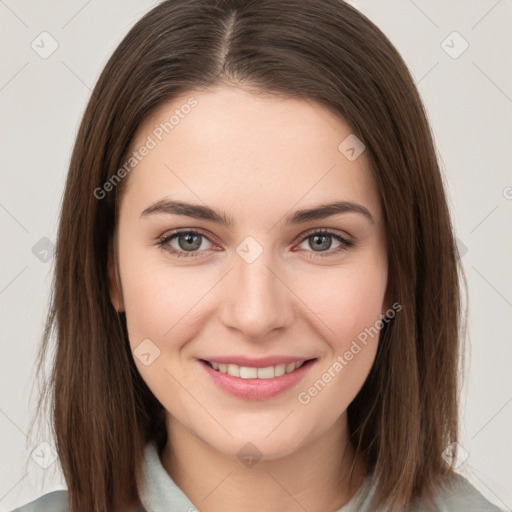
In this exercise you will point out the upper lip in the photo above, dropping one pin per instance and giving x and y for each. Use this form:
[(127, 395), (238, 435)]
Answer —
[(261, 362)]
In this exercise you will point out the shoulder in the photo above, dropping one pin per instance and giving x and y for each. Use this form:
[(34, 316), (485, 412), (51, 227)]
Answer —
[(56, 501), (458, 494)]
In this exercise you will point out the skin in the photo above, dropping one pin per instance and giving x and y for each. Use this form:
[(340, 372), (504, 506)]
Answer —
[(258, 158)]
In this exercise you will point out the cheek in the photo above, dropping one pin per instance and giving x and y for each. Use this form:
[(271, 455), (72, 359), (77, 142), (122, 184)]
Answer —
[(346, 302), (148, 302), (163, 303), (347, 308), (159, 306), (350, 326)]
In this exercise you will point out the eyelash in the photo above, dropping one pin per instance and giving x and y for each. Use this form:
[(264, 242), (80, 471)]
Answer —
[(345, 243)]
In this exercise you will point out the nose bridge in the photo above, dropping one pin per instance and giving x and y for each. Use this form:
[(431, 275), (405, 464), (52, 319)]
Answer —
[(258, 302)]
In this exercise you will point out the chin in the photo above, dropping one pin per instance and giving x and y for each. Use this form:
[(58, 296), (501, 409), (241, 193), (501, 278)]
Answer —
[(258, 445)]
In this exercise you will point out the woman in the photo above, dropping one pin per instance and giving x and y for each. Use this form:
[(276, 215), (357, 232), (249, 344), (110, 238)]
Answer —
[(256, 298)]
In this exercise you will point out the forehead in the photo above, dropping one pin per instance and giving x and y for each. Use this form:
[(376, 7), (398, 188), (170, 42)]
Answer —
[(226, 142)]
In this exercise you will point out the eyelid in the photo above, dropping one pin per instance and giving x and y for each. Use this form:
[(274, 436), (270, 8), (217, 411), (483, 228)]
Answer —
[(199, 231), (330, 231)]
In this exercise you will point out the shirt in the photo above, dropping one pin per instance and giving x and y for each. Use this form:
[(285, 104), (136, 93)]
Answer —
[(160, 493)]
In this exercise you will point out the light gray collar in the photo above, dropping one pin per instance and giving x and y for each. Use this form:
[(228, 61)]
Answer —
[(161, 494)]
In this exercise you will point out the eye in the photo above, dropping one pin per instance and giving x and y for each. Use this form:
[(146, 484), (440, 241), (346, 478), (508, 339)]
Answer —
[(190, 242), (321, 239)]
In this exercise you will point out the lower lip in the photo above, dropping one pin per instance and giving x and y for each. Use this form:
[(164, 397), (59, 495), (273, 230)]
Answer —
[(257, 389)]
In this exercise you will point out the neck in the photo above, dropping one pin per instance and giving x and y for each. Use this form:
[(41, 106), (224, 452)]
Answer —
[(314, 477)]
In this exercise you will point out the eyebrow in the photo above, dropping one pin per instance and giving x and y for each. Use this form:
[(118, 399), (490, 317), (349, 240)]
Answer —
[(197, 211)]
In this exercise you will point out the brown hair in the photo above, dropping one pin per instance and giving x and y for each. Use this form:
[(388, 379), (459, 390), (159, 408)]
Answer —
[(405, 415)]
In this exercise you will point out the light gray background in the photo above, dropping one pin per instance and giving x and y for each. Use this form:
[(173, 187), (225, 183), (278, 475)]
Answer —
[(469, 103)]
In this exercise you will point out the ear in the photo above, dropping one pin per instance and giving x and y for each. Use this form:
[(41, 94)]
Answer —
[(114, 282)]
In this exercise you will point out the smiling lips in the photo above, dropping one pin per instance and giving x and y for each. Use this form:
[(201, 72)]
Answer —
[(256, 379)]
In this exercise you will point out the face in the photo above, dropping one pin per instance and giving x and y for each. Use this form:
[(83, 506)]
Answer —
[(270, 288)]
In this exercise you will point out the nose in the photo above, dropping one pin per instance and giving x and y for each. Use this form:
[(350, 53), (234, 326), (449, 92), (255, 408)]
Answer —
[(259, 301)]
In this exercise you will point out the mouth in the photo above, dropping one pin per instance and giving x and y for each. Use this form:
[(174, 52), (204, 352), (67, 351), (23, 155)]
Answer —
[(256, 383)]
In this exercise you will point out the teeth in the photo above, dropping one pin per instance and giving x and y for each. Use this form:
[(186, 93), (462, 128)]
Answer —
[(290, 367), (246, 372), (233, 369)]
